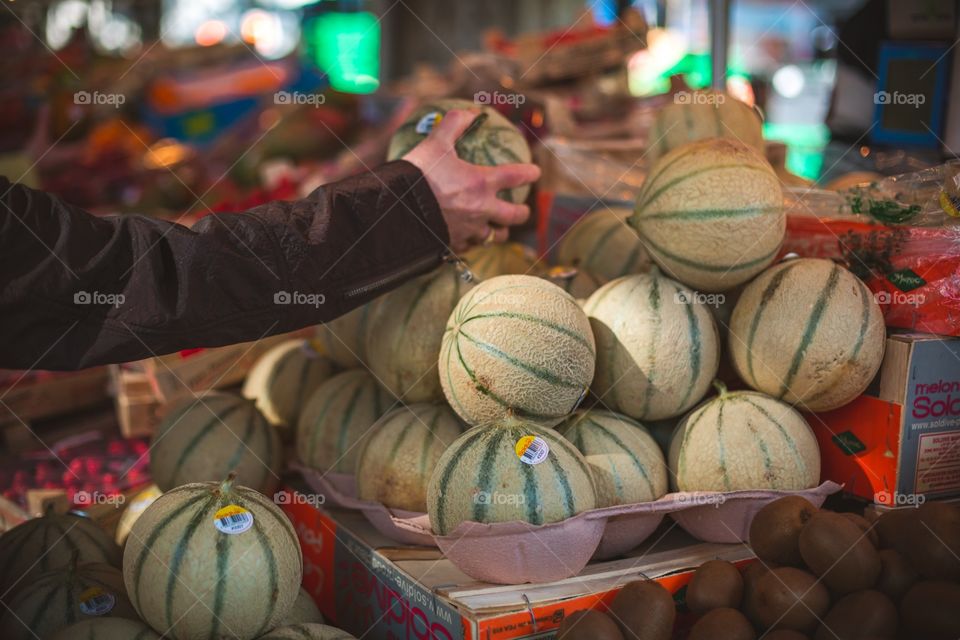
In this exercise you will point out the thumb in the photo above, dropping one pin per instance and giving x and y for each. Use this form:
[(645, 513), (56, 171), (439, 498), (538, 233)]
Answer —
[(452, 126), (507, 176)]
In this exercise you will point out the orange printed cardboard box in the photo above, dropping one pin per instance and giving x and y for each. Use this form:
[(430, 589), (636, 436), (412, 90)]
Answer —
[(373, 587), (899, 444)]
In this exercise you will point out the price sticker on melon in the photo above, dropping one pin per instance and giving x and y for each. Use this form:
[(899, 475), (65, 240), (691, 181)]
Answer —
[(426, 124), (96, 602), (311, 349), (532, 449), (232, 519)]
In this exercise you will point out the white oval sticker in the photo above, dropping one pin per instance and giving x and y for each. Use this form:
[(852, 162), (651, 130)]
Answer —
[(96, 602), (532, 449), (232, 519)]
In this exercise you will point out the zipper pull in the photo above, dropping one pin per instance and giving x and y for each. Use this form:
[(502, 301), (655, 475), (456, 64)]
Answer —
[(463, 271)]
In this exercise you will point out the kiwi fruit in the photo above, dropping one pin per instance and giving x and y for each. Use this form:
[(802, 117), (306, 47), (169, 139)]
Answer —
[(588, 624), (787, 598), (785, 634), (644, 610), (714, 585), (933, 546), (775, 530), (894, 526), (897, 575), (868, 529), (725, 623), (931, 610), (859, 615), (835, 548)]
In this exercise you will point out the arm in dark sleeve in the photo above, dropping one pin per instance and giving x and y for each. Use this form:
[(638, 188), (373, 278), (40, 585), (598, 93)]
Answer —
[(78, 290)]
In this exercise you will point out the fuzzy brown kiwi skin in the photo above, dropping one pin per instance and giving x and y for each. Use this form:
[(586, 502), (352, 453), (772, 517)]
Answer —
[(787, 598), (715, 584), (862, 614), (775, 530), (725, 623), (865, 526), (588, 624), (785, 634), (644, 610), (930, 611), (897, 575), (837, 550), (928, 537)]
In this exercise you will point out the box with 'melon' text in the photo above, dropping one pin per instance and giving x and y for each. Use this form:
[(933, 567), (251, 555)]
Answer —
[(899, 444)]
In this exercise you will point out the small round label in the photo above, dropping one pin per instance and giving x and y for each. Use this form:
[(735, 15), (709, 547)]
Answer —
[(96, 602), (532, 449), (311, 349), (232, 519), (426, 124)]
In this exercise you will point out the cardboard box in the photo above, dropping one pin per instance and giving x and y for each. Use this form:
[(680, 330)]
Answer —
[(900, 443), (373, 587)]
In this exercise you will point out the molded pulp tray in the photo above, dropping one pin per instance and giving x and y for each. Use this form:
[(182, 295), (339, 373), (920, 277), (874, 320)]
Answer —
[(526, 552)]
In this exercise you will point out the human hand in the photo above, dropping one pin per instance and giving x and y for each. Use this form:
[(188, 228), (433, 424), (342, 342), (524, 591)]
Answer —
[(467, 193)]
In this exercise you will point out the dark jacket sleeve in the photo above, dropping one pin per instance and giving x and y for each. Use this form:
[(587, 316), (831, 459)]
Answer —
[(78, 290)]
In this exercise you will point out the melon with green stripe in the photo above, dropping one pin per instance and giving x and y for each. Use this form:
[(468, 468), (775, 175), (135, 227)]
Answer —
[(202, 439), (576, 282), (61, 597), (307, 632), (627, 463), (344, 339), (809, 332), (48, 543), (303, 611), (106, 629), (711, 214), (398, 456), (491, 139), (510, 470), (337, 417), (134, 508), (283, 378), (519, 345), (506, 259), (704, 114), (657, 346), (406, 329), (212, 560), (744, 441), (603, 244)]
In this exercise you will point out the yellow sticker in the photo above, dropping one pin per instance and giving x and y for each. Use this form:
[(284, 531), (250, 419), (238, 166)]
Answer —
[(94, 601), (232, 519), (426, 124), (532, 449), (312, 348)]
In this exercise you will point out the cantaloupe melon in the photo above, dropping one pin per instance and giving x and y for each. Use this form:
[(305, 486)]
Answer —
[(283, 378), (211, 560), (134, 509), (576, 282), (603, 244), (507, 259), (510, 470), (491, 140), (516, 344), (59, 598), (344, 339), (406, 330), (809, 332), (704, 114), (203, 439), (744, 441), (337, 416), (711, 214), (626, 461), (45, 544), (401, 451), (303, 611), (106, 629), (307, 632), (657, 346)]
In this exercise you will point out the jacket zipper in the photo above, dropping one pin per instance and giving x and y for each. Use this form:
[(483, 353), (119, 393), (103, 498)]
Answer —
[(399, 274)]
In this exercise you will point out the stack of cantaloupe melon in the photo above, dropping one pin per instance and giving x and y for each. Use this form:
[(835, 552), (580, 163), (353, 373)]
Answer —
[(203, 560)]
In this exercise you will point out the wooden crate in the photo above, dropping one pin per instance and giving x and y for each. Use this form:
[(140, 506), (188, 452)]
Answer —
[(46, 394), (137, 406)]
